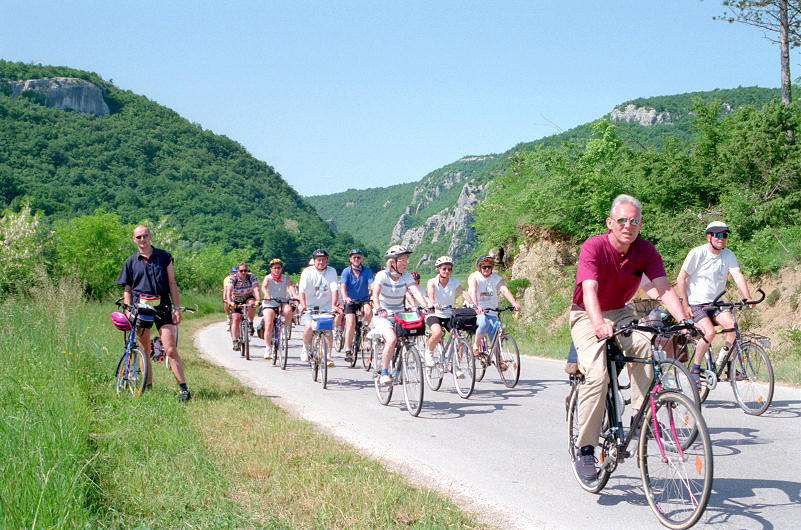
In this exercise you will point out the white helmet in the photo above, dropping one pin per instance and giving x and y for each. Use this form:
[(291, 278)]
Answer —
[(396, 251), (443, 260), (716, 226)]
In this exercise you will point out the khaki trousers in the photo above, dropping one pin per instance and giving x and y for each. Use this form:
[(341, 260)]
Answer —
[(592, 363)]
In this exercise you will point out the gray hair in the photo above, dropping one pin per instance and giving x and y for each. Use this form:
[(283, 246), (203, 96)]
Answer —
[(625, 199)]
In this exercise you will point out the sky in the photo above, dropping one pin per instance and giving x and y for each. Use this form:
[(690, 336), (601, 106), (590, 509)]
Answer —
[(359, 94)]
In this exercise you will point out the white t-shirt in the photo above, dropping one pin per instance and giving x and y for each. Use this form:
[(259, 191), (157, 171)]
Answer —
[(707, 273), (318, 287), (393, 292), (444, 296), (486, 289), (276, 289)]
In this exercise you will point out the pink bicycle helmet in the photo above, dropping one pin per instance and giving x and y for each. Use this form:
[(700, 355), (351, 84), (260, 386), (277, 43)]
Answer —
[(120, 321)]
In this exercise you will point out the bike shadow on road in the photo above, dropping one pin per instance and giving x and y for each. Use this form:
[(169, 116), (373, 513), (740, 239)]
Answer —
[(524, 388), (725, 505), (777, 409), (726, 440)]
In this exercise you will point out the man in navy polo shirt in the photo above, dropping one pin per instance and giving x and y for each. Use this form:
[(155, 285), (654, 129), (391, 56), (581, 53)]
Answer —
[(148, 276)]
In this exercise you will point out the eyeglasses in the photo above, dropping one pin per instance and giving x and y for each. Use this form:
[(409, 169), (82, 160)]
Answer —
[(635, 221), (720, 235), (356, 256), (142, 236), (243, 270), (446, 269)]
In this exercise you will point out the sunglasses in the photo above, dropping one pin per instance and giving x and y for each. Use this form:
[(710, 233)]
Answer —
[(243, 270), (635, 221), (486, 266), (720, 235), (143, 236)]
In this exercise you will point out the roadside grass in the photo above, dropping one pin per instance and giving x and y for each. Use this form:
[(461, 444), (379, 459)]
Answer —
[(75, 454)]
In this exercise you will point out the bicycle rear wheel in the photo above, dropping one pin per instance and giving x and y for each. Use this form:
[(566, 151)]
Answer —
[(676, 378), (481, 362), (688, 350), (368, 352), (677, 480), (752, 380), (509, 361), (412, 380), (131, 373), (284, 346), (339, 337), (464, 363), (593, 486), (433, 374)]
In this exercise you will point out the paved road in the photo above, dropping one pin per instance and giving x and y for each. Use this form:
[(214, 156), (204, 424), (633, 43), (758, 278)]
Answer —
[(502, 453)]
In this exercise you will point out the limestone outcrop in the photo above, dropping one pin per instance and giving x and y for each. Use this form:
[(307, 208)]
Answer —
[(66, 93), (645, 116)]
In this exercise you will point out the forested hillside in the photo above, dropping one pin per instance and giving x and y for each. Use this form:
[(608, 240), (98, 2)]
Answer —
[(144, 161)]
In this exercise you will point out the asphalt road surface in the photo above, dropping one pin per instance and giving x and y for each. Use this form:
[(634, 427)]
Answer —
[(502, 453)]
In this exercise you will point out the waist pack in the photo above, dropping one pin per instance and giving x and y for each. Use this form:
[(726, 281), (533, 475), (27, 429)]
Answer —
[(464, 319), (409, 324)]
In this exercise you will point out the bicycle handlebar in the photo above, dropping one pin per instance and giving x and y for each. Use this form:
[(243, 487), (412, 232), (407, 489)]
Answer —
[(500, 309), (664, 331), (716, 303)]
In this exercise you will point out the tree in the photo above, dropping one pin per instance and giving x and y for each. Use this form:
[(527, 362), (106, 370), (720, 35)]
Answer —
[(782, 17)]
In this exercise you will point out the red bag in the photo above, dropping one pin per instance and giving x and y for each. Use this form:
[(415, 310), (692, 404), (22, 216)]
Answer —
[(409, 324)]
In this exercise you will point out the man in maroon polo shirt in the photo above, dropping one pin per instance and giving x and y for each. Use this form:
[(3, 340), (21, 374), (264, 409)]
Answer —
[(610, 268)]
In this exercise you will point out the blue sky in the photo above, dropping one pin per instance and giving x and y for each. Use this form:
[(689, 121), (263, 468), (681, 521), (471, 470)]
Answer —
[(357, 94)]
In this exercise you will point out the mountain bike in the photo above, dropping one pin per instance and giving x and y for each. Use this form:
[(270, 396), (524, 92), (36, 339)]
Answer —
[(455, 357), (281, 330), (133, 369), (502, 352), (244, 329), (406, 368), (322, 324), (674, 451), (750, 371)]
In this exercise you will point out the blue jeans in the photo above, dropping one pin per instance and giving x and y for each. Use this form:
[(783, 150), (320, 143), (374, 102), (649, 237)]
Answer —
[(485, 323)]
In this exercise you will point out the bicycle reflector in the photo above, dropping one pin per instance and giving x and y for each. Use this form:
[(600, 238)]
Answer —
[(119, 319)]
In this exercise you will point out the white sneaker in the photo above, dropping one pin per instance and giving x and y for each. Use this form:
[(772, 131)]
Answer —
[(304, 354), (429, 359), (459, 374), (385, 379), (268, 353)]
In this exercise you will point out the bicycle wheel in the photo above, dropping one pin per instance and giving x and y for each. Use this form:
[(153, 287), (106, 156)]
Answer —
[(314, 360), (383, 392), (676, 378), (433, 374), (481, 362), (509, 361), (357, 345), (131, 373), (368, 349), (412, 380), (752, 380), (277, 343), (598, 484), (322, 361), (688, 349), (677, 481), (244, 338), (339, 337), (464, 363), (284, 346)]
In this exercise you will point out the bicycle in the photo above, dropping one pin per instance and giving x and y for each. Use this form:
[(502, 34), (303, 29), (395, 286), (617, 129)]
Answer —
[(322, 324), (405, 368), (751, 372), (359, 336), (244, 330), (674, 450), (281, 330), (502, 352), (133, 369), (455, 357)]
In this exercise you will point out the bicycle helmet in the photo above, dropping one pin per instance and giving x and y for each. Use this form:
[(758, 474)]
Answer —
[(319, 253), (276, 261), (483, 258), (443, 260), (354, 251), (396, 251), (233, 269), (716, 226), (120, 321), (416, 276)]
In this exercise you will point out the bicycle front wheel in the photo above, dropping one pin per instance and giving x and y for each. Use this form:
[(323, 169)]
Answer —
[(596, 485), (357, 345), (433, 374), (687, 351), (464, 368), (314, 358), (509, 361), (383, 392), (284, 346), (677, 480), (412, 380), (339, 337), (322, 361), (131, 373), (481, 362), (752, 378)]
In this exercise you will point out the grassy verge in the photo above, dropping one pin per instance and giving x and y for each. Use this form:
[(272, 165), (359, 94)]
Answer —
[(73, 453)]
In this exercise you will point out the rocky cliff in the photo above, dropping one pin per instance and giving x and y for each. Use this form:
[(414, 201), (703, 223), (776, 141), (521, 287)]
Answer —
[(643, 115), (66, 93)]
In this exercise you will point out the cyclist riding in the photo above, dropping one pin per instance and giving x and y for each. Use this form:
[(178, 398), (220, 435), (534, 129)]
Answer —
[(355, 284), (243, 288), (610, 268), (703, 277), (275, 285), (226, 306), (483, 287), (442, 291), (389, 291), (317, 288)]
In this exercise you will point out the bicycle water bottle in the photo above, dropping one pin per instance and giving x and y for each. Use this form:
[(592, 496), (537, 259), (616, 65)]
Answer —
[(724, 352), (659, 354), (621, 404)]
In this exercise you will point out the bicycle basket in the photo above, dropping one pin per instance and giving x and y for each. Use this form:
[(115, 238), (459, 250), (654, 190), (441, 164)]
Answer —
[(322, 322), (464, 319), (408, 324), (120, 321)]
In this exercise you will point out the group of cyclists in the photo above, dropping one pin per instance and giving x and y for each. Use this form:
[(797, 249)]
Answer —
[(376, 298)]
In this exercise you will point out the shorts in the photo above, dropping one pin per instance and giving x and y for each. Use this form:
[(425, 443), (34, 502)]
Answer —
[(162, 317), (382, 325), (485, 323), (699, 313), (444, 322), (245, 301), (352, 309)]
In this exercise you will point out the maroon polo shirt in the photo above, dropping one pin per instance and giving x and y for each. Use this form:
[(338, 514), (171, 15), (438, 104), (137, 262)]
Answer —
[(618, 276)]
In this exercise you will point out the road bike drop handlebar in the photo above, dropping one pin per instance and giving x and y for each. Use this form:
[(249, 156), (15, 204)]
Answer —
[(716, 303)]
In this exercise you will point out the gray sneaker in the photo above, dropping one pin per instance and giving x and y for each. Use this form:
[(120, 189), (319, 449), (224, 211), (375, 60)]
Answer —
[(585, 467)]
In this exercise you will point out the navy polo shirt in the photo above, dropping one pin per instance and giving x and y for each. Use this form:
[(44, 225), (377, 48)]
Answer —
[(148, 275)]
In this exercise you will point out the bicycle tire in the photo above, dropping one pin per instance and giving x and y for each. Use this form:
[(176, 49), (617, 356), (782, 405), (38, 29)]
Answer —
[(465, 362), (314, 361), (284, 346), (277, 342), (508, 354), (339, 337), (676, 377), (357, 342), (324, 362), (689, 349), (677, 482), (412, 378), (572, 441), (383, 392), (481, 362), (433, 374), (754, 394), (132, 371), (244, 336)]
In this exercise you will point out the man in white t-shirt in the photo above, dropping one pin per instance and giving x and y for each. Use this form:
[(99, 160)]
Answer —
[(702, 278), (317, 288)]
